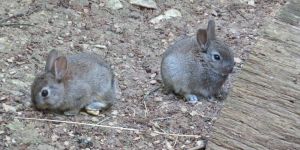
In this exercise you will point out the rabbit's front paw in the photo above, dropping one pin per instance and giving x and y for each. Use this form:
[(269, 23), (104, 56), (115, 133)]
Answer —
[(191, 98), (71, 112), (210, 99), (96, 106)]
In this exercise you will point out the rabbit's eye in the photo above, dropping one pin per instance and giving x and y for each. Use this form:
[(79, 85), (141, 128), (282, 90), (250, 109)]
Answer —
[(44, 93), (217, 57)]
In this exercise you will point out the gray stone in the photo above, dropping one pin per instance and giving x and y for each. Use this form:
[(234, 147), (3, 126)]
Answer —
[(114, 4), (144, 3), (79, 4), (8, 108), (4, 44), (171, 13)]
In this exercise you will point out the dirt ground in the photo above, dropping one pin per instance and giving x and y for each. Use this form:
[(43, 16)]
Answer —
[(133, 46)]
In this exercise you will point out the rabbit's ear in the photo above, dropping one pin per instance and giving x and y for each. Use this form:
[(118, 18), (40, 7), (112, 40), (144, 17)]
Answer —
[(211, 35), (60, 67), (202, 38), (53, 54), (205, 36)]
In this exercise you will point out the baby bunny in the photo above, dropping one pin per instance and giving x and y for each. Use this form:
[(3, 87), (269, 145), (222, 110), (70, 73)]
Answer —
[(197, 67), (72, 83)]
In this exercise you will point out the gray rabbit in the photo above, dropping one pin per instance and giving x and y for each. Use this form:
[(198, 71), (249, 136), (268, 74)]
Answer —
[(197, 67), (72, 83)]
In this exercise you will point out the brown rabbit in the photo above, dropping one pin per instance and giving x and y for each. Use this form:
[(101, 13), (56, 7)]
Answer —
[(197, 66), (72, 83)]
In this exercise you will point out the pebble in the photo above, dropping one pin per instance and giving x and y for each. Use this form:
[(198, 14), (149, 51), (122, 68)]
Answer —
[(79, 4), (2, 98), (153, 82), (115, 112), (169, 146), (135, 15), (183, 109), (251, 2), (158, 99), (95, 119), (100, 46), (66, 143), (187, 142), (144, 3), (54, 137), (4, 44), (131, 55), (193, 113), (201, 143), (8, 108), (153, 75), (10, 60), (114, 4), (237, 60), (171, 13)]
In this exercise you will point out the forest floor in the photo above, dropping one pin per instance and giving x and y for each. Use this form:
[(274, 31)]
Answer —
[(133, 45)]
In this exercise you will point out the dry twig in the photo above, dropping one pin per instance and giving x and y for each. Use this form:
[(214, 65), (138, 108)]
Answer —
[(105, 126), (149, 93), (15, 24), (79, 123), (178, 135), (146, 109)]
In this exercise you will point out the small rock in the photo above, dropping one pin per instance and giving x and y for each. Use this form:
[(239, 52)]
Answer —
[(13, 141), (153, 134), (85, 142), (144, 3), (2, 98), (249, 2), (131, 55), (95, 119), (237, 60), (171, 13), (100, 46), (118, 29), (135, 15), (12, 72), (183, 109), (9, 108), (187, 142), (115, 112), (123, 87), (11, 59), (66, 143), (4, 44), (214, 13), (193, 113), (18, 83), (153, 75), (54, 137), (169, 146), (158, 99), (137, 138), (114, 4), (79, 4), (16, 93), (201, 143), (85, 46), (153, 82)]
